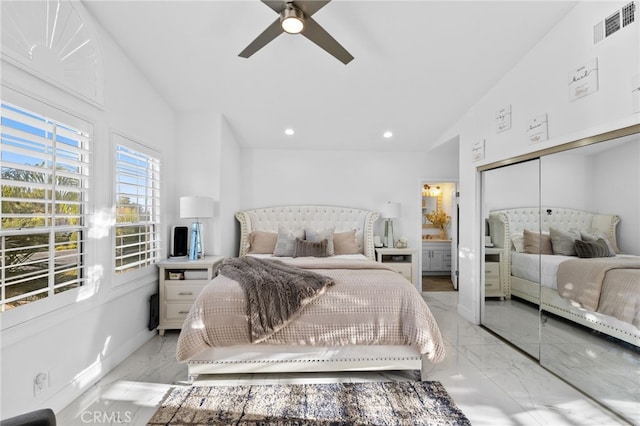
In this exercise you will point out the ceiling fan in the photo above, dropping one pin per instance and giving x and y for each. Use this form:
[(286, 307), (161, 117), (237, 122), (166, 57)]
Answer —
[(295, 18)]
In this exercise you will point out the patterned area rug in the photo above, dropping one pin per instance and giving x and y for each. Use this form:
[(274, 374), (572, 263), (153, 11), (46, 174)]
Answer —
[(377, 403)]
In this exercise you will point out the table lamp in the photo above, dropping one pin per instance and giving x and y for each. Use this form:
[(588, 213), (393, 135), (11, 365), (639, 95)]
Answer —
[(389, 212)]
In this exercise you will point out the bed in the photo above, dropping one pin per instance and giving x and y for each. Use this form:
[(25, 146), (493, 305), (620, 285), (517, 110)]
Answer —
[(369, 317), (601, 293)]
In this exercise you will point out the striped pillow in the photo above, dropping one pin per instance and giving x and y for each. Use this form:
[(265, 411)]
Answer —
[(589, 249), (305, 248)]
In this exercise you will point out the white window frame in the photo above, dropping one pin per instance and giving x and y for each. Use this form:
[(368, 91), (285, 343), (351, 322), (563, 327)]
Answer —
[(59, 119), (147, 170)]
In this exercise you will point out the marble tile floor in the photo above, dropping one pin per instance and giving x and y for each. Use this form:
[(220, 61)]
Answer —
[(492, 383)]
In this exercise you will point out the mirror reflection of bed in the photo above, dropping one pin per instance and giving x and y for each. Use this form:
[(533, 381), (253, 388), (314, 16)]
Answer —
[(570, 265)]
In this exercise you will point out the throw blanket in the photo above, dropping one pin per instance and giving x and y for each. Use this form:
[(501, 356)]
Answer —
[(369, 304), (275, 292), (606, 285)]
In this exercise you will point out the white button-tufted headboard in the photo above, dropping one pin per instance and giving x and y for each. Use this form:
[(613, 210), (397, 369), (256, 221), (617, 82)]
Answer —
[(319, 218), (504, 223)]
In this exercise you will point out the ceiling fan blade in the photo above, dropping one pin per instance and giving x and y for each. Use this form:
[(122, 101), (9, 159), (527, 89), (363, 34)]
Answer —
[(272, 31), (309, 7), (275, 5), (314, 32)]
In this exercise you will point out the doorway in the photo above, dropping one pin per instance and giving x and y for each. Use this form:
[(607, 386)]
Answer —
[(439, 235)]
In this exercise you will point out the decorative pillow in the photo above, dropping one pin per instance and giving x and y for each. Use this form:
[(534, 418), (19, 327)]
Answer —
[(310, 248), (518, 242), (286, 243), (311, 235), (536, 243), (261, 242), (594, 235), (562, 242), (345, 242), (590, 249)]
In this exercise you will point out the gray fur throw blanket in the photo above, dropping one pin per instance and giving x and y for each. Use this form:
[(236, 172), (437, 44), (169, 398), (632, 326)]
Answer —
[(276, 292)]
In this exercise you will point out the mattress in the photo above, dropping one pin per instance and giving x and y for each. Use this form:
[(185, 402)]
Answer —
[(527, 266)]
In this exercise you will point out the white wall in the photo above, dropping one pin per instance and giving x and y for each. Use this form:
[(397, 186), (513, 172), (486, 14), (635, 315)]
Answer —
[(536, 85), (208, 165), (80, 342), (615, 188)]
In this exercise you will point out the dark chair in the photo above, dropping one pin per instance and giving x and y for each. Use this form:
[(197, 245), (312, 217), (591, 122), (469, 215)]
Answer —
[(44, 417)]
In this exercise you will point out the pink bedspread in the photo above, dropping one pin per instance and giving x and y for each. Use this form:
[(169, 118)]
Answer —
[(369, 304)]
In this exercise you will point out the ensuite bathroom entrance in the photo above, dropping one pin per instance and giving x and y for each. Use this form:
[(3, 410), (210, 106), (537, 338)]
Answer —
[(439, 236)]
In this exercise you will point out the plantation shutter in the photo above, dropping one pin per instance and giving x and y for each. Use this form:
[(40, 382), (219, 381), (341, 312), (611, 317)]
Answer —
[(137, 194), (45, 174)]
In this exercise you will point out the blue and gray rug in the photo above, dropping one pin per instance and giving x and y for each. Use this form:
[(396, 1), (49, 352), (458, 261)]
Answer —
[(375, 403)]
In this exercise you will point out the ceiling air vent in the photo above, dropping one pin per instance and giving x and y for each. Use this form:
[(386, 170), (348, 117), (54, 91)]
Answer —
[(612, 23)]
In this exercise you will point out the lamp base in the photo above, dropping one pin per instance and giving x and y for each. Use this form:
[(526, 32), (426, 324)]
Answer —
[(388, 233), (196, 250)]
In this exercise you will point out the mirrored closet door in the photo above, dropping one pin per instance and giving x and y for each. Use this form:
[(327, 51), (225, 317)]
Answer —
[(505, 190), (566, 226), (590, 305)]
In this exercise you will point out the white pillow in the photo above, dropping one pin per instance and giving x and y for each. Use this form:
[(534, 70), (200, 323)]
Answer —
[(286, 243), (517, 240), (316, 236)]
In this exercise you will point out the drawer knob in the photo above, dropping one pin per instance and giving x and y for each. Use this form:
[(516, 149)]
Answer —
[(183, 312), (185, 293)]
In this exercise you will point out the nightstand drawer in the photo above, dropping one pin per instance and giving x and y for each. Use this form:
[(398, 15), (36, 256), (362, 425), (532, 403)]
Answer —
[(182, 292), (177, 311), (403, 268), (492, 283), (492, 269)]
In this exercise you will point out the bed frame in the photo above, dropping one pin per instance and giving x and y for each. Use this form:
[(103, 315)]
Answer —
[(286, 359), (504, 223)]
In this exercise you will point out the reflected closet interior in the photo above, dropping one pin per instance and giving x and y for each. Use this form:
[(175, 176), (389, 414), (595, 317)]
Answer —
[(561, 269)]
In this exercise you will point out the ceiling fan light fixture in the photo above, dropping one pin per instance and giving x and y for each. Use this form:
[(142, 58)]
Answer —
[(292, 19)]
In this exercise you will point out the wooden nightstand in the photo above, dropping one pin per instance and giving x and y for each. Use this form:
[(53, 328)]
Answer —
[(402, 260), (180, 283), (493, 270)]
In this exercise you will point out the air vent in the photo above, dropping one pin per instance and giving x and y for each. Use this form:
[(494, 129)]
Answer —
[(612, 23), (628, 14)]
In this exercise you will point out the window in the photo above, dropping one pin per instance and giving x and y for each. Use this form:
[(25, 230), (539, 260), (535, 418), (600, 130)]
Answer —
[(45, 174), (137, 200)]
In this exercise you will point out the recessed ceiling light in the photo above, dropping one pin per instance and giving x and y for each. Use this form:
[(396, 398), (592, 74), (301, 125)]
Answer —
[(387, 134), (289, 132)]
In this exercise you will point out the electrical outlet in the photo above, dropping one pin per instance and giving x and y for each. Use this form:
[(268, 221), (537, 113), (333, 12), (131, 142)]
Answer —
[(40, 383)]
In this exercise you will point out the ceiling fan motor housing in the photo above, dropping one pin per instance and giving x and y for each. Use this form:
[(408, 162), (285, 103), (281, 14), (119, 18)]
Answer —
[(292, 19)]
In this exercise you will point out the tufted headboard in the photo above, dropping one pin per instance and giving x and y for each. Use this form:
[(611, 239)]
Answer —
[(503, 223), (304, 217)]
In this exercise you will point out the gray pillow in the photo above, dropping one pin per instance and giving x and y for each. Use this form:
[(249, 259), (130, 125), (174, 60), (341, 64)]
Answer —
[(310, 248), (594, 235), (286, 243), (563, 242), (312, 235), (589, 249)]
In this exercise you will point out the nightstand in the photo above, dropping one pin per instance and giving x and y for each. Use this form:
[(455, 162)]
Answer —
[(402, 260), (493, 270), (180, 283)]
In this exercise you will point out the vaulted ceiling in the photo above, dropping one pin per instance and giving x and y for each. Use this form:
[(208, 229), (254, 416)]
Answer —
[(419, 65)]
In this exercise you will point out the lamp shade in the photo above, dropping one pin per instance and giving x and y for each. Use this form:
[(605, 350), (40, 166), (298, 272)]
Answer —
[(196, 207), (390, 210)]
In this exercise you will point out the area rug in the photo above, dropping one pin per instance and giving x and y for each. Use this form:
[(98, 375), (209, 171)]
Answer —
[(375, 403)]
